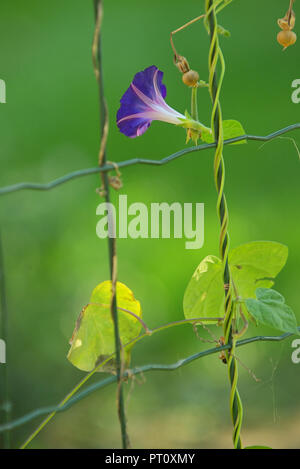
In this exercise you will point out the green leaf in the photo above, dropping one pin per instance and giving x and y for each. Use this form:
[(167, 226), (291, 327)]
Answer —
[(255, 265), (252, 265), (223, 31), (270, 309), (93, 338), (231, 129), (207, 136), (204, 296)]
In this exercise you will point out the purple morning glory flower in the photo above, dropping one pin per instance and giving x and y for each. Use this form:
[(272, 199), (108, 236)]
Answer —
[(143, 102)]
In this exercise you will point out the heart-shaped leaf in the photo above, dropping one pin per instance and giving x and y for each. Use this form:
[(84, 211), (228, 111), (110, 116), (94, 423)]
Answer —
[(204, 296), (93, 339), (256, 264), (252, 265), (269, 308)]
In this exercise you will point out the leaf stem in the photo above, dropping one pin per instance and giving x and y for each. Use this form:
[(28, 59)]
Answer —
[(194, 104)]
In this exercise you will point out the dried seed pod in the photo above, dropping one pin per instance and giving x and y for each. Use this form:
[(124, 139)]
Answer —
[(182, 64), (288, 22), (115, 182), (190, 78), (292, 20), (286, 38)]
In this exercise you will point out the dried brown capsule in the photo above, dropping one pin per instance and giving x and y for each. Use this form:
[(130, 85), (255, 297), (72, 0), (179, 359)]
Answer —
[(288, 22), (181, 63), (190, 78)]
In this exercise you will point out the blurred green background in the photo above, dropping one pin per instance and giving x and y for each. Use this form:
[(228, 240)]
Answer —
[(53, 258)]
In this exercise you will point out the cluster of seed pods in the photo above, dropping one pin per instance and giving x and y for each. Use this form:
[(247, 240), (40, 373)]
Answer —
[(286, 37)]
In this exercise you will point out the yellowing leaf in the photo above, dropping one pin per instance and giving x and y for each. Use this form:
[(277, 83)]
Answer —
[(204, 296), (93, 339)]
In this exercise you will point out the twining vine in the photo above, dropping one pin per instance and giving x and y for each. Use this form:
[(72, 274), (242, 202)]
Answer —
[(215, 55)]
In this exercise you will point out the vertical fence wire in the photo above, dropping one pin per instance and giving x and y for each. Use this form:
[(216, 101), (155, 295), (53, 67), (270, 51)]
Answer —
[(215, 84), (97, 60)]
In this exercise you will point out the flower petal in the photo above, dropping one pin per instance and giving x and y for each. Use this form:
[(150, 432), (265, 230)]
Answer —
[(145, 80), (134, 126), (144, 102)]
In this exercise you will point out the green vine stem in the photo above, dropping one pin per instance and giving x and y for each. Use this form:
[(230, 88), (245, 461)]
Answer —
[(215, 85), (194, 103)]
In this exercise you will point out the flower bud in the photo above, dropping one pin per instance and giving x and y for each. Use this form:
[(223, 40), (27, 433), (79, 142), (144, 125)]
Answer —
[(286, 38), (190, 78)]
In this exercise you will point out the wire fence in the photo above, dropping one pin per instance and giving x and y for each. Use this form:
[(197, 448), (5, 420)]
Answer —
[(103, 168), (132, 372), (139, 161)]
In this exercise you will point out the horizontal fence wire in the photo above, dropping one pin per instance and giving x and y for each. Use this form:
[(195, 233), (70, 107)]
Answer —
[(136, 161), (135, 371)]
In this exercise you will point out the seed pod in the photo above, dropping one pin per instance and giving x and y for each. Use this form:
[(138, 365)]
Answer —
[(181, 63), (288, 22), (292, 20), (286, 38), (190, 78)]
